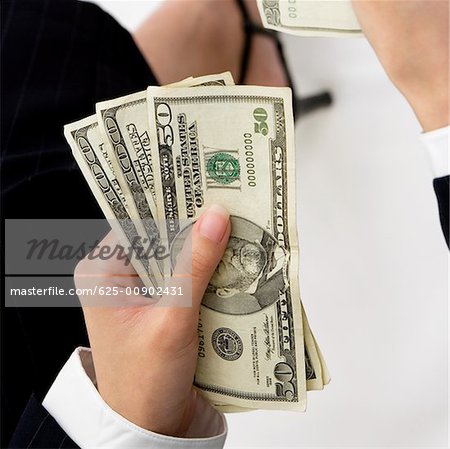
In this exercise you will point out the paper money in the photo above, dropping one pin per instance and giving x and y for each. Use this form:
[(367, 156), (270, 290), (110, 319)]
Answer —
[(313, 366), (231, 145), (128, 147), (124, 126), (87, 147), (234, 146), (330, 18)]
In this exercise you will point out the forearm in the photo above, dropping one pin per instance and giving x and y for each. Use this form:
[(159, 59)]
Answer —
[(411, 40)]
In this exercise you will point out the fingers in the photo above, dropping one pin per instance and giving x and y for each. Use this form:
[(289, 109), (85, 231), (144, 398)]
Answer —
[(109, 264), (209, 239), (103, 277), (196, 263)]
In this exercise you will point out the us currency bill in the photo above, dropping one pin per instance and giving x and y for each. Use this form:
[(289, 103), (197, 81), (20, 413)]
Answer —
[(87, 147), (124, 126), (235, 147), (331, 18), (128, 149), (313, 366)]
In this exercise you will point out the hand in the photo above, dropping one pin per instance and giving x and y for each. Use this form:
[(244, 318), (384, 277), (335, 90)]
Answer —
[(145, 355), (411, 40)]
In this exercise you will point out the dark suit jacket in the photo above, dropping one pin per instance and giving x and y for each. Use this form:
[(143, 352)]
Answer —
[(38, 429), (59, 57)]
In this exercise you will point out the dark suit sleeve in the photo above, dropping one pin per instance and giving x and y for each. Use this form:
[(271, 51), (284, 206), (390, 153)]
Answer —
[(441, 187), (38, 429)]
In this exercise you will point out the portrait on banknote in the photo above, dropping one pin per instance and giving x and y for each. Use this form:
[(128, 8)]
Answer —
[(251, 274)]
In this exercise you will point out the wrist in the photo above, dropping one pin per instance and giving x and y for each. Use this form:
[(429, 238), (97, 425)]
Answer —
[(142, 398), (145, 407), (76, 405)]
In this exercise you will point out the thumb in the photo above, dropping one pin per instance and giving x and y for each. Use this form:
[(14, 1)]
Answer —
[(199, 257)]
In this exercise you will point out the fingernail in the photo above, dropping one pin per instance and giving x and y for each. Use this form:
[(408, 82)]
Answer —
[(214, 223)]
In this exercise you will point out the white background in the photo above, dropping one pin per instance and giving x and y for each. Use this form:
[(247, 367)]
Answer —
[(373, 260)]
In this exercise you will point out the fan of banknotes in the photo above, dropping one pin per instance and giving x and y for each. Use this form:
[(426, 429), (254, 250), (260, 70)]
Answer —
[(154, 161)]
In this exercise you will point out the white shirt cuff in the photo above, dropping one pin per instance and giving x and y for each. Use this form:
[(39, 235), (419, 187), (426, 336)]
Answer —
[(74, 402), (437, 143)]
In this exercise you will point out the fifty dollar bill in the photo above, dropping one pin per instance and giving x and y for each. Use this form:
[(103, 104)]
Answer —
[(234, 146)]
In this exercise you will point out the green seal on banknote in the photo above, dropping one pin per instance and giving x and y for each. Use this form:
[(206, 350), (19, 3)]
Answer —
[(223, 168)]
